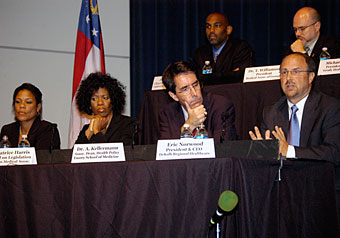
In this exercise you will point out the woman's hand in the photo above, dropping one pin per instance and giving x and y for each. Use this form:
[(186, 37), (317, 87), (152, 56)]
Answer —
[(97, 124)]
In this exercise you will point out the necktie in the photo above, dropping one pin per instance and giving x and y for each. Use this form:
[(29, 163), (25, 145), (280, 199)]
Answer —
[(307, 50), (294, 130), (215, 57)]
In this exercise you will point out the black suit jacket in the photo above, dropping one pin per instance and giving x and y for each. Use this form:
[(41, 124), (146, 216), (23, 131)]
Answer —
[(235, 54), (332, 44), (171, 118), (40, 135), (121, 129), (320, 126)]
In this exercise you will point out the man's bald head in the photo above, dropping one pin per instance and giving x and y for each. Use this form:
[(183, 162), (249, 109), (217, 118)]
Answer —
[(306, 24)]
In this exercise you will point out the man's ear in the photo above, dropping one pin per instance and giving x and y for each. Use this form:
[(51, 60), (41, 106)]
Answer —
[(311, 76), (174, 96), (317, 25), (229, 30)]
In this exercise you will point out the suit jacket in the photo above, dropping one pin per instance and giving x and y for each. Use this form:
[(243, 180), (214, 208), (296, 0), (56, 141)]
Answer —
[(121, 129), (235, 54), (43, 135), (332, 44), (320, 126), (171, 118)]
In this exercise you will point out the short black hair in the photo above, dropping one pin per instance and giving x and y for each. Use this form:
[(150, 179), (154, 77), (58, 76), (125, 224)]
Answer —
[(225, 16), (33, 89), (30, 87), (174, 69), (99, 80)]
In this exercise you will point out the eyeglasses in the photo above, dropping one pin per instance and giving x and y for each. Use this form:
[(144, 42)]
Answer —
[(294, 72), (302, 28), (187, 89)]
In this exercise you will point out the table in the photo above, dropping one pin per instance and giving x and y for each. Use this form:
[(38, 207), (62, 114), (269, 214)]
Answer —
[(249, 100), (167, 198)]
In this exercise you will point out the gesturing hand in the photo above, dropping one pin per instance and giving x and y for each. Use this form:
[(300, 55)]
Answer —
[(280, 135), (257, 135)]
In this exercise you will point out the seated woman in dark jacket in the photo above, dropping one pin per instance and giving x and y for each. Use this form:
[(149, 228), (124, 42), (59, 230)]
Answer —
[(102, 98), (27, 107)]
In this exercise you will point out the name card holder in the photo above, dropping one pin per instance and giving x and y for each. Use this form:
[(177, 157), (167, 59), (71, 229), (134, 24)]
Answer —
[(157, 83), (102, 152), (17, 156), (329, 66), (185, 149), (263, 73)]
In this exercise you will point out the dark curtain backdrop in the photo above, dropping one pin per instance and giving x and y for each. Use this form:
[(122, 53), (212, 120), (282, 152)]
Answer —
[(164, 31)]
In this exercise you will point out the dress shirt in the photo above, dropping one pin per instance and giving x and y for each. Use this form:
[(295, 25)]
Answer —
[(217, 52), (300, 105)]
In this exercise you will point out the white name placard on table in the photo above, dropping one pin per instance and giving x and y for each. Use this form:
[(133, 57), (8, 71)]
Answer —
[(103, 152), (263, 73), (17, 156), (329, 66), (157, 83), (185, 149)]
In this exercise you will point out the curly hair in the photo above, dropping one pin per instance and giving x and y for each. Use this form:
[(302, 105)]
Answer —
[(99, 80)]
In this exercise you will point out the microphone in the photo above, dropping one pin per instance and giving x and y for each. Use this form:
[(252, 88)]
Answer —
[(224, 126), (135, 133), (226, 203), (54, 126)]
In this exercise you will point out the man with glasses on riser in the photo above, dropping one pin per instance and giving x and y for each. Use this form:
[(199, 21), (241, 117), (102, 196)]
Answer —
[(192, 106), (307, 25), (305, 121)]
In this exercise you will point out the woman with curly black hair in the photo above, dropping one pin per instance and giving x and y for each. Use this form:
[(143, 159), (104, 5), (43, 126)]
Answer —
[(102, 98)]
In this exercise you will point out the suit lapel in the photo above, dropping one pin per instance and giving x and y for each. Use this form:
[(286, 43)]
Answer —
[(283, 117), (222, 56), (309, 117), (179, 119), (113, 127)]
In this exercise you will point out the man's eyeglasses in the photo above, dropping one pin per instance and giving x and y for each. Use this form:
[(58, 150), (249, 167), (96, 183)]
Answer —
[(302, 28), (187, 89), (295, 72)]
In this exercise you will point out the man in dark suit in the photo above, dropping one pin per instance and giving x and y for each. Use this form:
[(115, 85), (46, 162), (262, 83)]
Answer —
[(228, 56), (313, 131), (192, 107), (307, 25)]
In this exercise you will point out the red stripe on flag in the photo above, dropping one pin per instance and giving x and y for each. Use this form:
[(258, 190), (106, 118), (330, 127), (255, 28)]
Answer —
[(83, 47), (102, 56)]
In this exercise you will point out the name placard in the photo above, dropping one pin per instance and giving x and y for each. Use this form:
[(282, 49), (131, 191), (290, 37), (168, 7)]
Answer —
[(263, 73), (329, 66), (157, 83), (185, 149), (17, 156), (103, 152)]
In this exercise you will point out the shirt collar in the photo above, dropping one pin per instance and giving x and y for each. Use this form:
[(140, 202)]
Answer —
[(217, 52), (311, 46), (300, 105)]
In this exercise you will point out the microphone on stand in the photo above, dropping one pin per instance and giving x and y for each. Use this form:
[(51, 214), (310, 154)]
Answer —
[(54, 126), (226, 203), (224, 125), (135, 133)]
